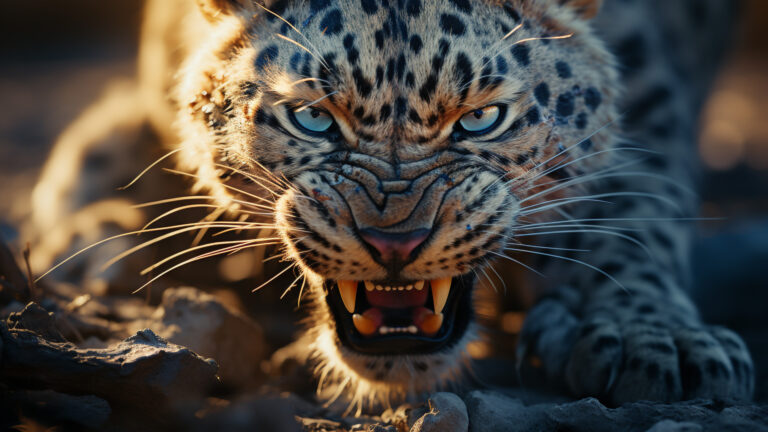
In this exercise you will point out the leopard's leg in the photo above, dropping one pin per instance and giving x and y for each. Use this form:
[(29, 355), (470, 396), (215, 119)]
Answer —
[(640, 336)]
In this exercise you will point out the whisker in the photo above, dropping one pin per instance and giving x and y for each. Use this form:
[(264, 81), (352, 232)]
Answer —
[(153, 164), (597, 269), (274, 277)]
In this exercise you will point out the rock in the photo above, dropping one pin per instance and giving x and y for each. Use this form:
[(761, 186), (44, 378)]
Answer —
[(38, 320), (673, 426), (490, 411), (13, 283), (143, 374), (447, 413), (267, 414), (320, 425), (86, 411), (192, 318)]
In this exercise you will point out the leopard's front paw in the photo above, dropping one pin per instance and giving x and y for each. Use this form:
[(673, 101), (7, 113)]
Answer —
[(636, 355)]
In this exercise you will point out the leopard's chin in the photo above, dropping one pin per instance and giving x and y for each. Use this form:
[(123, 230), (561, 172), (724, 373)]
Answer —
[(401, 317)]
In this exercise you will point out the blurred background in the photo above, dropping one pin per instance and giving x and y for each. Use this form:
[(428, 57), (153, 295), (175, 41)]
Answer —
[(57, 57)]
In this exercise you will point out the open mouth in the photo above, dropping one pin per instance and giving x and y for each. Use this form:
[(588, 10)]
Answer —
[(401, 317)]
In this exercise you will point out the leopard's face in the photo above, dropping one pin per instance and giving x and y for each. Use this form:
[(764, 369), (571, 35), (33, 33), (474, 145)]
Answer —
[(403, 144)]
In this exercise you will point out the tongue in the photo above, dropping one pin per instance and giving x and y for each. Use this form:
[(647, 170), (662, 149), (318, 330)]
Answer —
[(397, 299)]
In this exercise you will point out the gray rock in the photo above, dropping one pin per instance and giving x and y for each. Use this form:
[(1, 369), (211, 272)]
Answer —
[(143, 374), (195, 319), (86, 411), (490, 411), (33, 317), (447, 413), (673, 426)]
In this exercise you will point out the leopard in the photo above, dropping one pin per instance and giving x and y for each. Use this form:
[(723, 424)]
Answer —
[(401, 148)]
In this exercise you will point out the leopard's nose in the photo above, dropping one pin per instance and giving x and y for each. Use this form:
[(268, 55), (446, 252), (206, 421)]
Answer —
[(394, 247)]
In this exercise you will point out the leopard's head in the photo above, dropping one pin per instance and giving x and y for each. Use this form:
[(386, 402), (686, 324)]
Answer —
[(402, 143)]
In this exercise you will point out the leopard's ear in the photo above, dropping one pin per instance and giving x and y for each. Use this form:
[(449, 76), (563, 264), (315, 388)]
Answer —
[(212, 10), (586, 9)]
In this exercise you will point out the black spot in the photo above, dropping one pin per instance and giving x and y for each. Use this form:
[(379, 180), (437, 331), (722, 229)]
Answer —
[(385, 112), (464, 73), (592, 98), (432, 120), (563, 69), (542, 94), (462, 5), (391, 70), (401, 106), (349, 40), (635, 363), (416, 44), (364, 86), (421, 366), (369, 6), (305, 160), (287, 160), (501, 65), (410, 80), (521, 53), (332, 22), (379, 76), (413, 8), (586, 144), (511, 12), (379, 37), (428, 88), (353, 55), (414, 116), (533, 116), (318, 5), (359, 112), (266, 56), (581, 120), (452, 25), (565, 105), (400, 66), (293, 63)]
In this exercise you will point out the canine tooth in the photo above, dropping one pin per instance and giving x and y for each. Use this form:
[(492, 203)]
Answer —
[(440, 290), (419, 285), (348, 291), (369, 286), (364, 325), (432, 323)]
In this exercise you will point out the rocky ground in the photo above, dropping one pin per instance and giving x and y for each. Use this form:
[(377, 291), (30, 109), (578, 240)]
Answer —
[(114, 363)]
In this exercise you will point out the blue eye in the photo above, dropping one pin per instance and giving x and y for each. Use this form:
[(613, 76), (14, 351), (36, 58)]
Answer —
[(312, 119), (480, 120)]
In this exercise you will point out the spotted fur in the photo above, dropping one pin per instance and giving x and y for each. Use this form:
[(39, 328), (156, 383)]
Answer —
[(599, 124)]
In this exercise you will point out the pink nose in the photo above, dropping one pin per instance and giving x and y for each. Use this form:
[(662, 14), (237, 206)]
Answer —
[(394, 246)]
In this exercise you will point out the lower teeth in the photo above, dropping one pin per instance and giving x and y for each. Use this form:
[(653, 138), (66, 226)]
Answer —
[(410, 329)]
